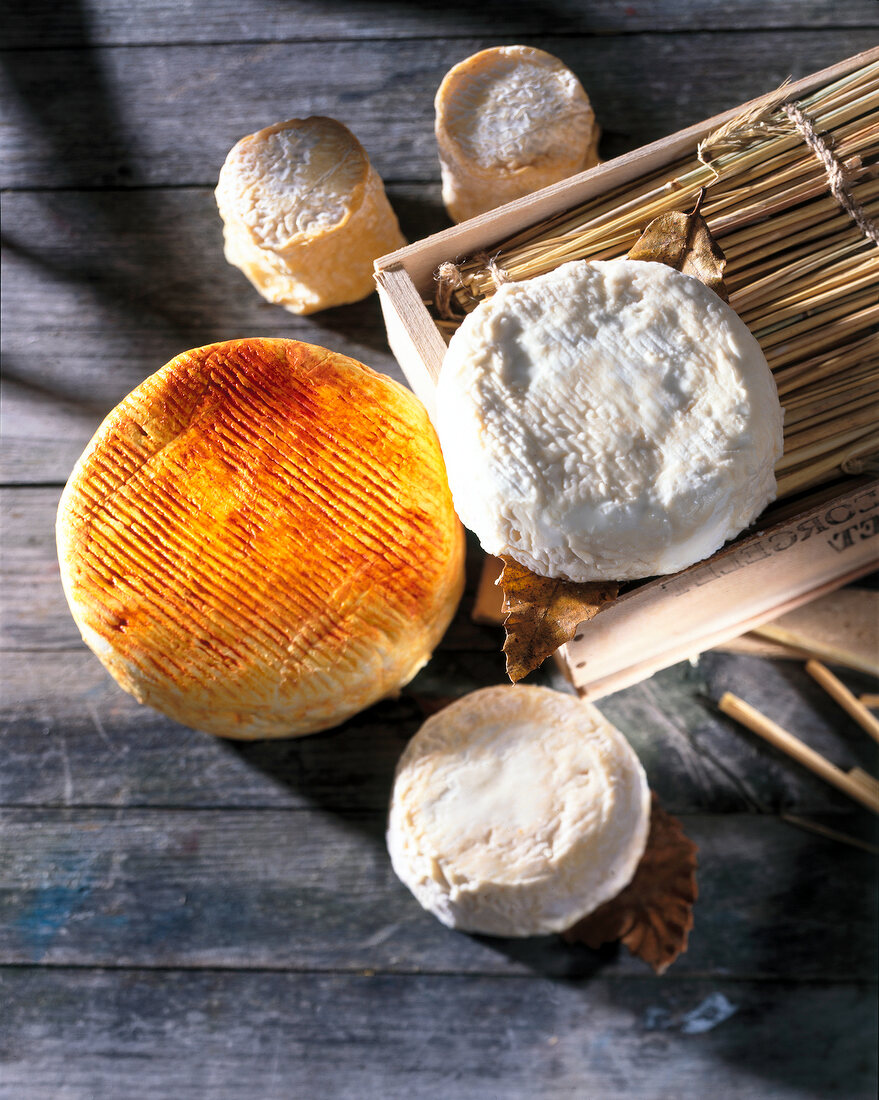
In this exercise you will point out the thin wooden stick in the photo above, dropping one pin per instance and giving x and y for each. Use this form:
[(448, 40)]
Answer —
[(801, 451), (819, 367), (773, 733), (869, 699), (770, 337), (753, 286), (837, 690), (808, 294), (830, 336), (867, 781), (831, 834), (811, 473), (814, 219), (817, 650), (851, 385), (832, 409)]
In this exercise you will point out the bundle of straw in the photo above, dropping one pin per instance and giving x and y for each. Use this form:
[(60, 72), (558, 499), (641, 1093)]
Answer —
[(791, 194)]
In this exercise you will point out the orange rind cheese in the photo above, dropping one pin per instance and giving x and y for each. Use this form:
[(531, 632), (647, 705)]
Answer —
[(259, 541)]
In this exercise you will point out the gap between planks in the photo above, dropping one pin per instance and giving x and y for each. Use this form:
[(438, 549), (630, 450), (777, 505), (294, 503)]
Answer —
[(363, 973), (475, 36)]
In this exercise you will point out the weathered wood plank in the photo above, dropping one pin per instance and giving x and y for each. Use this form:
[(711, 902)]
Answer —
[(114, 22), (313, 890), (133, 279), (104, 1035), (67, 728), (271, 855), (729, 764), (168, 115), (70, 737)]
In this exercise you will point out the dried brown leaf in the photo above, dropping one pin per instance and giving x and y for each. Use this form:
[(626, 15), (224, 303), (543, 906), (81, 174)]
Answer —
[(653, 915), (543, 613), (684, 242)]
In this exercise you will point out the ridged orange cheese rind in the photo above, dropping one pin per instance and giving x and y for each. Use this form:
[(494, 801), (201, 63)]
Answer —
[(259, 540)]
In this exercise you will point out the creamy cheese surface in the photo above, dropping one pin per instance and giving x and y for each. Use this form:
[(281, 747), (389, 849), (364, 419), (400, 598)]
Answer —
[(513, 106), (608, 420), (509, 120), (305, 214), (297, 177), (516, 811)]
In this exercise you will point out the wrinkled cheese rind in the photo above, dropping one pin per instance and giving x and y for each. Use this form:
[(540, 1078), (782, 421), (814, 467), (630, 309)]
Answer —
[(509, 120), (607, 421), (305, 214), (516, 811)]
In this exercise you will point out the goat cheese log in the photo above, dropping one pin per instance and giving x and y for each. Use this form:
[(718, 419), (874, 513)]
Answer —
[(510, 120), (516, 811), (305, 214), (607, 421), (259, 541)]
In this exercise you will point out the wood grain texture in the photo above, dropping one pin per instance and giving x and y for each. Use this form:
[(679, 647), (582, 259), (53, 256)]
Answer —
[(103, 1035), (247, 884), (70, 737), (133, 279), (313, 890), (126, 117), (109, 22)]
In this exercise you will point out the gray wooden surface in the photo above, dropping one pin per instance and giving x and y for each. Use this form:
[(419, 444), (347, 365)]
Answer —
[(183, 917)]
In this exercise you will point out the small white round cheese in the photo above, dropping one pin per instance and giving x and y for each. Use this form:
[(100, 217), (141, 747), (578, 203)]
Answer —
[(516, 811), (608, 420)]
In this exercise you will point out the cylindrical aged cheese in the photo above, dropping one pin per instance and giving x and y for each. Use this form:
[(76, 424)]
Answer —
[(305, 214), (259, 541), (510, 120)]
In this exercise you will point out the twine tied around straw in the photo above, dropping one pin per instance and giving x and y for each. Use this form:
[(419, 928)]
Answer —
[(758, 123), (836, 175), (497, 273), (448, 279)]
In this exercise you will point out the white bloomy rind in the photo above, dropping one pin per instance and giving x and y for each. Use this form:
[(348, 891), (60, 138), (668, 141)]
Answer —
[(607, 420), (516, 811)]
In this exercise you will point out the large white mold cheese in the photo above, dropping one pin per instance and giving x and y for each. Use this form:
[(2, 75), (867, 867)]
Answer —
[(516, 811), (607, 420)]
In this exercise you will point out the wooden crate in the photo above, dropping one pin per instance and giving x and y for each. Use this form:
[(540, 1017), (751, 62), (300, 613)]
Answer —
[(791, 558)]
